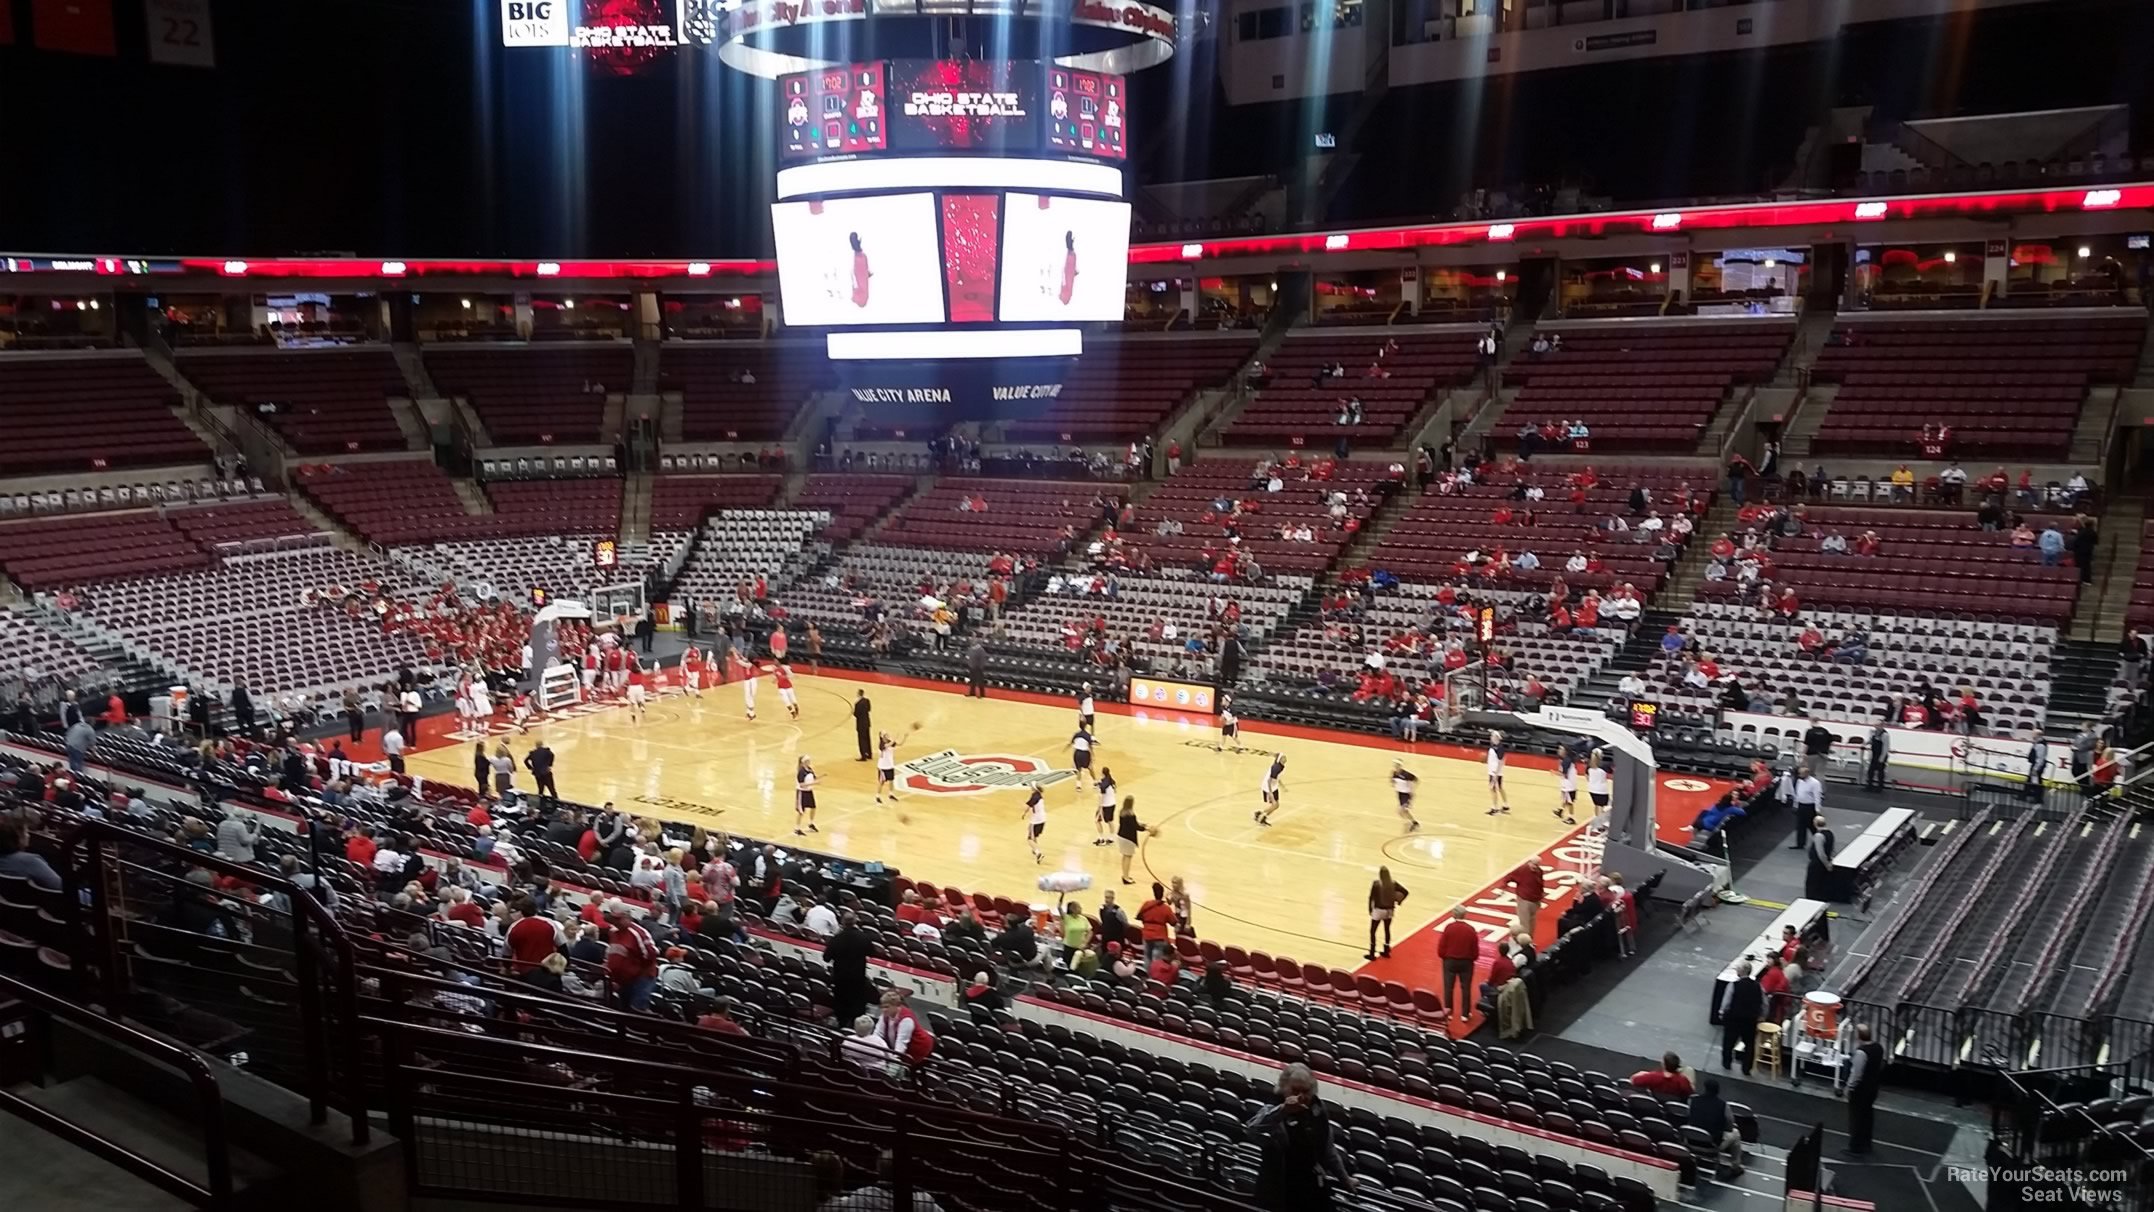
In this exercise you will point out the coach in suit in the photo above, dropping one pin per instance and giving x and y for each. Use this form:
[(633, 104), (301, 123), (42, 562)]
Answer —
[(1739, 1014), (863, 730)]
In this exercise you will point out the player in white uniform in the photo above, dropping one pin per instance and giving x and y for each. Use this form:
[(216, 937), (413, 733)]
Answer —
[(1230, 726), (482, 703), (804, 797), (885, 766), (1081, 746), (1084, 708), (1105, 820), (1035, 815), (1566, 782), (1403, 782), (692, 671), (748, 674), (1270, 788), (1497, 800), (1597, 782)]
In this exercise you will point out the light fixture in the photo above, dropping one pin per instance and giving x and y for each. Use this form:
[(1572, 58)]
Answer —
[(235, 267), (1501, 275), (1770, 263), (2084, 251), (95, 305), (569, 304), (1654, 268), (1951, 256), (1275, 285), (81, 305), (467, 304)]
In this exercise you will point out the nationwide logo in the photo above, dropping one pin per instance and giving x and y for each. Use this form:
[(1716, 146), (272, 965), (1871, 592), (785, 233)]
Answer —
[(954, 773)]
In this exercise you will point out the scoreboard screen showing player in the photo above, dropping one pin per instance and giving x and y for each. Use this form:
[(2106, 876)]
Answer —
[(982, 105), (1087, 113), (1063, 258), (868, 260), (839, 110), (1176, 696)]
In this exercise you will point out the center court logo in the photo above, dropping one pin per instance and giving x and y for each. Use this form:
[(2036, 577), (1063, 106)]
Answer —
[(1686, 785), (954, 773)]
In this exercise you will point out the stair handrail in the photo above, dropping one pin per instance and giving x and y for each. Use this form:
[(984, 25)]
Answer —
[(2109, 434), (216, 1192)]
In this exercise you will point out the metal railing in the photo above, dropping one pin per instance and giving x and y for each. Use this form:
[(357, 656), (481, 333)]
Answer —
[(215, 1191), (277, 975)]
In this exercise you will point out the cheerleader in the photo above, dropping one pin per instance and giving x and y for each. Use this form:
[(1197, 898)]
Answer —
[(1230, 726), (1081, 745), (783, 676), (1597, 783), (885, 766), (1497, 749), (1403, 783), (747, 675), (1084, 708), (1035, 817), (1270, 789), (1106, 808), (804, 798), (1566, 783), (692, 671)]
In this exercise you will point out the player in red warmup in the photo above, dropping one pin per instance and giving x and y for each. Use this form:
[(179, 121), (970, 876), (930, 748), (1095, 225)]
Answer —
[(746, 674), (1069, 266), (692, 671), (639, 681), (861, 273), (783, 676)]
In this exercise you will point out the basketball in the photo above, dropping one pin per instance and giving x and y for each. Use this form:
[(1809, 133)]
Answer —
[(904, 818), (915, 727)]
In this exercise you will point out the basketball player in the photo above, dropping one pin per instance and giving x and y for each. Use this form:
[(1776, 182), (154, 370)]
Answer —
[(1230, 726), (747, 674), (885, 766), (804, 797), (1566, 782), (1035, 815), (590, 671), (1497, 748), (466, 718), (1597, 783), (520, 710), (692, 671), (1270, 788), (1106, 808), (1081, 745), (1084, 709), (1403, 782), (638, 689), (482, 703), (783, 676)]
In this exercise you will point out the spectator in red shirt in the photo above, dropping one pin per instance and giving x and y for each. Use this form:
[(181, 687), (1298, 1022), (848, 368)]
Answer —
[(458, 908), (719, 1018), (1530, 888), (530, 938), (1165, 968), (478, 816), (1156, 918), (1773, 982), (360, 848), (631, 957), (1671, 1080), (1867, 543), (1459, 946)]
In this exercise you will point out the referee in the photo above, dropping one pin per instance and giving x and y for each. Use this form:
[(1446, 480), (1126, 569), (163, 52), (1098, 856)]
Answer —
[(862, 730)]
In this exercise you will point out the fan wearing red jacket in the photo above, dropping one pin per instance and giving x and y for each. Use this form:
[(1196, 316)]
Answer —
[(1458, 946)]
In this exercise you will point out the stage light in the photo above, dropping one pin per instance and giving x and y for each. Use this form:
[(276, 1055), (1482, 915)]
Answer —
[(80, 305), (95, 305), (235, 267), (1770, 263)]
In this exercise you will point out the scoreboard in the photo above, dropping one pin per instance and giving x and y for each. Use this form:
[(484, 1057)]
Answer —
[(961, 106)]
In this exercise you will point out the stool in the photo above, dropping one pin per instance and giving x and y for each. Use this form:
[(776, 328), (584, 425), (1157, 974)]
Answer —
[(1765, 1048)]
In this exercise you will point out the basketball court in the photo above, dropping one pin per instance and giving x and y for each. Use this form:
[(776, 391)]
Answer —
[(1298, 887)]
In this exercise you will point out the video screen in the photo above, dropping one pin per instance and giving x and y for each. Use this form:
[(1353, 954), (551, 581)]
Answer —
[(1087, 113), (833, 111), (969, 238), (1063, 258), (851, 261), (963, 105)]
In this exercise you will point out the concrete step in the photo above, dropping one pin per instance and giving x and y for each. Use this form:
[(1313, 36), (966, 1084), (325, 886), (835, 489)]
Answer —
[(411, 423), (73, 1178), (413, 365), (614, 417), (635, 509), (472, 496)]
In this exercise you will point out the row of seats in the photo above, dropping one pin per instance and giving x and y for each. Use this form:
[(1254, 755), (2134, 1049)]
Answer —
[(1296, 405), (327, 401), (535, 395), (742, 393), (77, 413), (1121, 390)]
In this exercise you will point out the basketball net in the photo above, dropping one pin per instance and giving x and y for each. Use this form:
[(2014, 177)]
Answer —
[(1462, 692)]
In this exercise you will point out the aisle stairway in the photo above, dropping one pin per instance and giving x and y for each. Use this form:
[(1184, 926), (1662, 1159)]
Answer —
[(1638, 655), (2100, 614)]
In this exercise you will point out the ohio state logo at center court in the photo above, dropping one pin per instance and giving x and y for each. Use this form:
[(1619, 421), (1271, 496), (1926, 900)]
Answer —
[(952, 773)]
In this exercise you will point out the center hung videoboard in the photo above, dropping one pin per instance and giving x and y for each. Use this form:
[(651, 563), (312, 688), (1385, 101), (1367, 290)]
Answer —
[(961, 106), (1063, 258), (854, 261)]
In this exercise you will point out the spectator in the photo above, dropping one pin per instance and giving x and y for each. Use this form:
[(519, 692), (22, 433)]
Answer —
[(1458, 946), (1301, 1162), (547, 975), (1218, 987), (967, 927), (1865, 1075), (1166, 968), (866, 1049), (981, 994), (1740, 1009), (631, 957), (2051, 545), (900, 1028), (1018, 942), (530, 938), (821, 919), (1529, 887), (847, 954), (1076, 933), (236, 837), (1671, 1080), (718, 1017), (18, 860), (1709, 1114), (457, 907), (1156, 922), (1817, 877), (1777, 989)]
